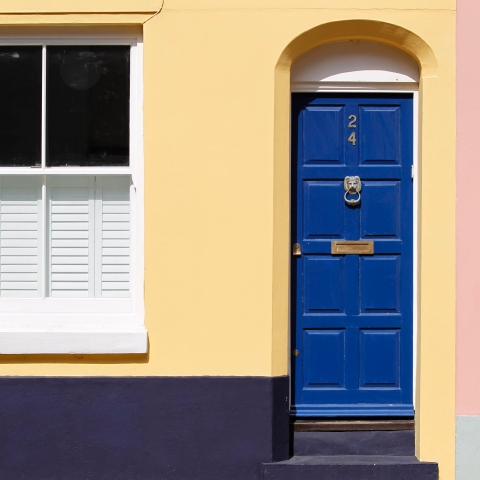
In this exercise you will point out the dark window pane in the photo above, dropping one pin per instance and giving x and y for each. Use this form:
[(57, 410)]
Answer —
[(20, 105), (88, 105)]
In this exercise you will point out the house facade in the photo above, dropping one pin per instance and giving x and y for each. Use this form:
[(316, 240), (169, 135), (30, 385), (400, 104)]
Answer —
[(219, 220)]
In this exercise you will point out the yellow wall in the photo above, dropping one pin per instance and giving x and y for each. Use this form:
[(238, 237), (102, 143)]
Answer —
[(216, 183)]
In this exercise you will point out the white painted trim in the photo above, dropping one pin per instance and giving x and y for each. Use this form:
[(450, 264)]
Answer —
[(387, 88), (352, 62), (92, 325), (43, 159), (416, 244), (66, 171), (43, 242), (353, 87), (55, 341), (137, 198), (65, 39)]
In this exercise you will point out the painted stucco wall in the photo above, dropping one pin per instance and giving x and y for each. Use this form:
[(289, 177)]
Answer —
[(468, 239), (468, 228), (217, 219)]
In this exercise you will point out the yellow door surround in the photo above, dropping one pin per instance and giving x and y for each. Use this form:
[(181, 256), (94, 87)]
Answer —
[(435, 385)]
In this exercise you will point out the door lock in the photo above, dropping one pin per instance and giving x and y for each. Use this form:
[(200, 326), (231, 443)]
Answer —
[(295, 353), (296, 250)]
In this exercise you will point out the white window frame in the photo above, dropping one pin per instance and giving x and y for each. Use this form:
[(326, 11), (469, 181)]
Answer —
[(98, 325)]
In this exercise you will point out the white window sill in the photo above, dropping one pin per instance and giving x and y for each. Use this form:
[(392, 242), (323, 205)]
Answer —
[(85, 341)]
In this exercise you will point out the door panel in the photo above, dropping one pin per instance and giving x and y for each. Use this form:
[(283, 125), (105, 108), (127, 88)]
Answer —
[(352, 314), (324, 124), (324, 284), (379, 141), (324, 213), (379, 358), (325, 349), (379, 216), (380, 284)]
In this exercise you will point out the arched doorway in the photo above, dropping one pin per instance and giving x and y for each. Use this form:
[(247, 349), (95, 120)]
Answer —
[(352, 287)]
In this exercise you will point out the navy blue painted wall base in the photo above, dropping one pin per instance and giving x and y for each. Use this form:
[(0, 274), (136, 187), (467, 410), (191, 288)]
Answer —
[(132, 428)]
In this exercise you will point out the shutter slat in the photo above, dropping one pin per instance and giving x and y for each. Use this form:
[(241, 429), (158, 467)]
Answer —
[(69, 294), (70, 209), (116, 217), (66, 226), (116, 208), (19, 234), (19, 226), (116, 234), (115, 285), (74, 217), (69, 234), (115, 268), (59, 202), (69, 277), (20, 201), (70, 261), (17, 242), (20, 209), (19, 268), (19, 277), (19, 217), (115, 277), (16, 260), (116, 260), (116, 242), (115, 252), (116, 226), (19, 293), (70, 242), (18, 285), (67, 194), (76, 252), (69, 268), (66, 285), (29, 252)]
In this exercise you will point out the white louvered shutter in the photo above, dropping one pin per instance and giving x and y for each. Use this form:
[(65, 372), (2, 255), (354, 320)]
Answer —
[(112, 237), (20, 237), (71, 236), (89, 237)]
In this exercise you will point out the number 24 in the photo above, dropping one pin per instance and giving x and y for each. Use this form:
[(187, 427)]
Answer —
[(352, 138)]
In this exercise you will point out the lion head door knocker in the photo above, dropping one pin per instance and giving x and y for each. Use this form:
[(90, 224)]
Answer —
[(353, 186)]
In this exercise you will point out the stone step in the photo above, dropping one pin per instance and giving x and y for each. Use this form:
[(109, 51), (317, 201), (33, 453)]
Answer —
[(350, 467), (354, 443)]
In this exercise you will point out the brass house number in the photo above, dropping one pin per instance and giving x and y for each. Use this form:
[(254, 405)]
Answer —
[(352, 138)]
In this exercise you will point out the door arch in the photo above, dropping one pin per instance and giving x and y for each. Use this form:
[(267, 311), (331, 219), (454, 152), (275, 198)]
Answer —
[(353, 347), (366, 30), (354, 64), (436, 348)]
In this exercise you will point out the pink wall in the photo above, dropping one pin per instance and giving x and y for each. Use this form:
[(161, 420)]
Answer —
[(468, 209)]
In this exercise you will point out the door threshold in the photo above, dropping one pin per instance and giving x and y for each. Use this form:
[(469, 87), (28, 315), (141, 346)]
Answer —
[(320, 425)]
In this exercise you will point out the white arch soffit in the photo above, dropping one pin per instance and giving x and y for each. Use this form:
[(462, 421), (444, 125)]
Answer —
[(354, 64)]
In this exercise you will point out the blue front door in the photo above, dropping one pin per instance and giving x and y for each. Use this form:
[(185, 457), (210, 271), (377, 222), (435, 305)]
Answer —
[(352, 302)]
